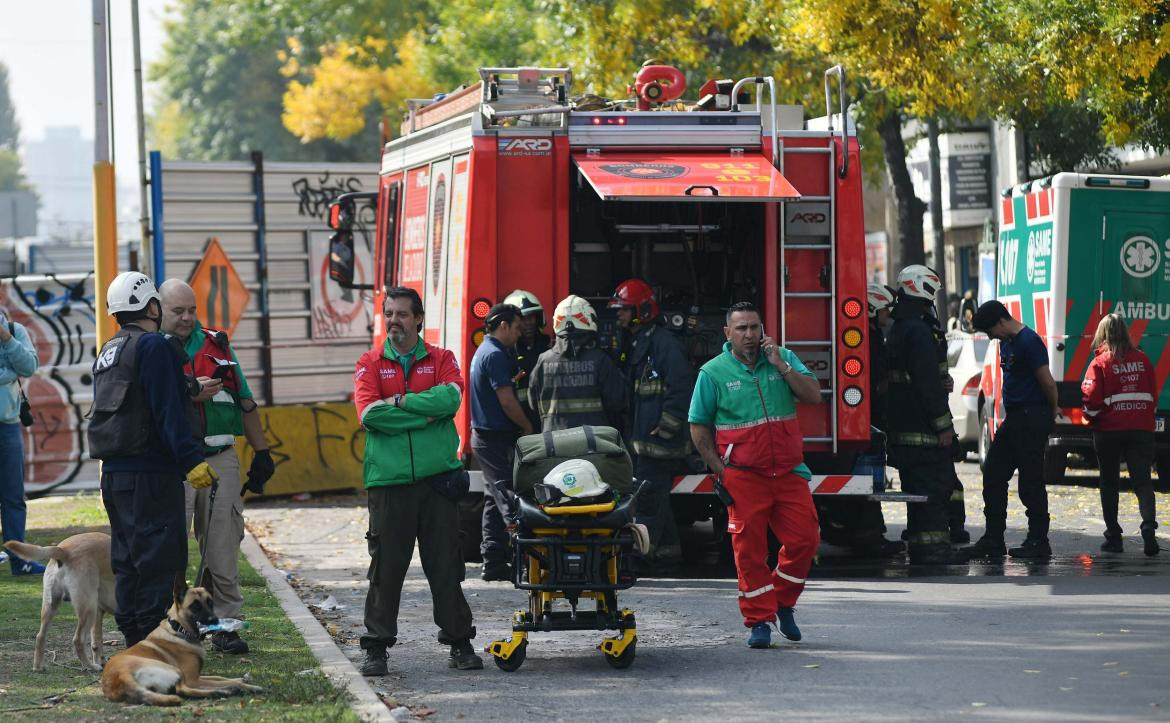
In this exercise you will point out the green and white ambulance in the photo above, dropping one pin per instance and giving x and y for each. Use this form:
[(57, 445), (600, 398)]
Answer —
[(1072, 248)]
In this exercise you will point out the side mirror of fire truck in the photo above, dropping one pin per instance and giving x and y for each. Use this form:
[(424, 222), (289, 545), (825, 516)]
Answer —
[(341, 258)]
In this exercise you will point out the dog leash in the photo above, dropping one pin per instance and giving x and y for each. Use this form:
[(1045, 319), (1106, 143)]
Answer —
[(206, 534)]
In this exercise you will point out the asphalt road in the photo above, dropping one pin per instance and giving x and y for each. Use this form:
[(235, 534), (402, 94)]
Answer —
[(1082, 637)]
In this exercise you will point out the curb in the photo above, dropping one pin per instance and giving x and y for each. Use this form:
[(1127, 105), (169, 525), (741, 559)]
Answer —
[(336, 667)]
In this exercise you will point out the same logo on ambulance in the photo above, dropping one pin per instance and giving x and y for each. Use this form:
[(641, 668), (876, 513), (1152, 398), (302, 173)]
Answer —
[(1140, 257)]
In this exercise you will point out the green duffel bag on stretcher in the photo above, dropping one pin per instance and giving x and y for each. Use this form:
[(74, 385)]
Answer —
[(537, 454)]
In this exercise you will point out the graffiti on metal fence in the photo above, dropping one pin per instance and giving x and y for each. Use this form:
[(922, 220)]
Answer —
[(58, 312), (316, 195)]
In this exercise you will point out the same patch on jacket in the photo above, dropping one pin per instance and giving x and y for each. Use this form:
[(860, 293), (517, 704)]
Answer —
[(645, 171)]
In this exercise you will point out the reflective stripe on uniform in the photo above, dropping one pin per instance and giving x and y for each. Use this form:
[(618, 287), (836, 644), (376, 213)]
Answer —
[(753, 423), (930, 538), (789, 578), (914, 439), (658, 451), (942, 422), (649, 388), (571, 406), (371, 405), (758, 591), (1130, 397), (957, 495), (669, 421), (900, 377)]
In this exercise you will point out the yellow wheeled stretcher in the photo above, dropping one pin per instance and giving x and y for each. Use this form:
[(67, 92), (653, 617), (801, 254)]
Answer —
[(563, 555)]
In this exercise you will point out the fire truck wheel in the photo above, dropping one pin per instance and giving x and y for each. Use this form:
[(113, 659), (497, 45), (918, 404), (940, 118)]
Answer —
[(471, 526)]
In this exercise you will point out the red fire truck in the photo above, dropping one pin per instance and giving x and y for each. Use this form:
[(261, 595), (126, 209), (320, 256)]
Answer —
[(506, 184)]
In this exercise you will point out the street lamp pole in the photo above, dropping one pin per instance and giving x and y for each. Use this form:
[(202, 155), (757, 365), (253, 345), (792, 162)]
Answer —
[(105, 221)]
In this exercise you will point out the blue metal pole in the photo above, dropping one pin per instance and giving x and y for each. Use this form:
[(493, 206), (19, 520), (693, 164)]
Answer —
[(157, 242)]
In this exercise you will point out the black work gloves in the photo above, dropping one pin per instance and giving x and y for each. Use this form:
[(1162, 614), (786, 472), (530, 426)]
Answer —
[(260, 472)]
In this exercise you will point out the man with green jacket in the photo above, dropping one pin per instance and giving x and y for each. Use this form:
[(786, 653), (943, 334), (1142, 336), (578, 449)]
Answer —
[(407, 393)]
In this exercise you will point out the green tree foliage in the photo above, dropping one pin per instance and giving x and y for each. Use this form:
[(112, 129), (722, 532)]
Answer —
[(221, 81), (11, 174)]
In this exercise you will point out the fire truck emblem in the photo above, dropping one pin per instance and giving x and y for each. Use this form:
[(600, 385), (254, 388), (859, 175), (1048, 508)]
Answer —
[(647, 171)]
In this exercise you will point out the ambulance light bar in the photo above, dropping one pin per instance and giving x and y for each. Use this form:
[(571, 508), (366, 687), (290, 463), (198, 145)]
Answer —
[(1103, 182)]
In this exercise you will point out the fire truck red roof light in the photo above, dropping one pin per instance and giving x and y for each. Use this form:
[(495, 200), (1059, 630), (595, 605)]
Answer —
[(481, 308), (852, 308), (852, 366)]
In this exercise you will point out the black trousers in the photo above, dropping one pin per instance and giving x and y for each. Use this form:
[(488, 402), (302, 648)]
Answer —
[(399, 515), (928, 522), (1137, 449), (495, 452), (1019, 444), (654, 508), (148, 547)]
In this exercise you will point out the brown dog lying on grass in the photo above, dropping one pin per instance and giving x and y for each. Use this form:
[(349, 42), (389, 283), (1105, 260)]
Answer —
[(169, 662), (78, 569)]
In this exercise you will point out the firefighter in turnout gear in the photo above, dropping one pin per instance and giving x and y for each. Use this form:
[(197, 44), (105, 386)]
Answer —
[(920, 436), (533, 342), (143, 430), (575, 383), (661, 381)]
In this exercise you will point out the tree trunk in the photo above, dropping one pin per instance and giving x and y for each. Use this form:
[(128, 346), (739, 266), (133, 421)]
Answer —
[(910, 207)]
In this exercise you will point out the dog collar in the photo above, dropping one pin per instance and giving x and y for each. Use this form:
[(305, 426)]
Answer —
[(182, 631)]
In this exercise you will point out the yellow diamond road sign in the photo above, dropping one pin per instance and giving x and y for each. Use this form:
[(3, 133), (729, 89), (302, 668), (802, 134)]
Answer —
[(219, 292)]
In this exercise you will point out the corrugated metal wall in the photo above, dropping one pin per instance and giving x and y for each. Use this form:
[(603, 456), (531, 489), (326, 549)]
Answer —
[(201, 201)]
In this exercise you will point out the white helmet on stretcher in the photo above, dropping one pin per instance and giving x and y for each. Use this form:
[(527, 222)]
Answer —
[(576, 479)]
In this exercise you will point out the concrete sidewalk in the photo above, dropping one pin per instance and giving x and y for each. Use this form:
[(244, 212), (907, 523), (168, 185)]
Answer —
[(1081, 638)]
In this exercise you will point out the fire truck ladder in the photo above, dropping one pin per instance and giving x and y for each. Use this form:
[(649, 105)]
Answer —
[(829, 150)]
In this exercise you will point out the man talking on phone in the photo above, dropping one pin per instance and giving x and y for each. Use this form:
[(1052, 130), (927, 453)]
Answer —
[(226, 410), (743, 422)]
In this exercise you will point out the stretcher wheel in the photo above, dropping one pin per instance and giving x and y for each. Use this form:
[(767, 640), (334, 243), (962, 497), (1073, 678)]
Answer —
[(625, 659), (513, 663)]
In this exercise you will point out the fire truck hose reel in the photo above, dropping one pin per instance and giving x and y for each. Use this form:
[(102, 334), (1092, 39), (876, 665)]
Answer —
[(658, 84)]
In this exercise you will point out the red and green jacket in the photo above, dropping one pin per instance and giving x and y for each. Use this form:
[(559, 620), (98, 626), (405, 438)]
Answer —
[(753, 412), (417, 439)]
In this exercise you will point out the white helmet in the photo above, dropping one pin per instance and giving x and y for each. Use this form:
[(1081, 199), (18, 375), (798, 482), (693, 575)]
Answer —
[(130, 291), (879, 298), (527, 303), (574, 313), (919, 281), (576, 479)]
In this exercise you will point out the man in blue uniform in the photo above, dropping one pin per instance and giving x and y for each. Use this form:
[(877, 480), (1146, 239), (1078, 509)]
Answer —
[(142, 431)]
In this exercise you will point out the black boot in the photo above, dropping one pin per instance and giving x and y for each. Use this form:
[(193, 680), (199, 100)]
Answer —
[(496, 572), (1149, 541), (1112, 542), (989, 547), (1034, 548), (375, 662), (463, 657), (937, 554), (230, 643)]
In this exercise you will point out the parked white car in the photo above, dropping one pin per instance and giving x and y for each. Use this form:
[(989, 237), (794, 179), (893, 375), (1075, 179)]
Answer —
[(965, 361)]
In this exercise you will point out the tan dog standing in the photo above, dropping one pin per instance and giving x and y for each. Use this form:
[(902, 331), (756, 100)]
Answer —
[(77, 569), (169, 662)]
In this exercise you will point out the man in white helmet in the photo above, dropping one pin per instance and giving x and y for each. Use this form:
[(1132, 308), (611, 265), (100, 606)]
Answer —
[(141, 428), (575, 383), (532, 343), (920, 435)]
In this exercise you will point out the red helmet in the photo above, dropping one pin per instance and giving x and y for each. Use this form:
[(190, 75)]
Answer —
[(637, 294)]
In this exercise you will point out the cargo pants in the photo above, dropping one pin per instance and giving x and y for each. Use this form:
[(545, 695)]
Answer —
[(399, 515), (784, 504), (148, 546), (221, 548)]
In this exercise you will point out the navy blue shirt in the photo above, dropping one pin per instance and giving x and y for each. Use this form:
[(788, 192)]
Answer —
[(160, 372), (1020, 357), (492, 367)]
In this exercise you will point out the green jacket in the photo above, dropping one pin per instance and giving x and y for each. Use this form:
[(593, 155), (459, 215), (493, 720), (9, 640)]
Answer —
[(417, 439)]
